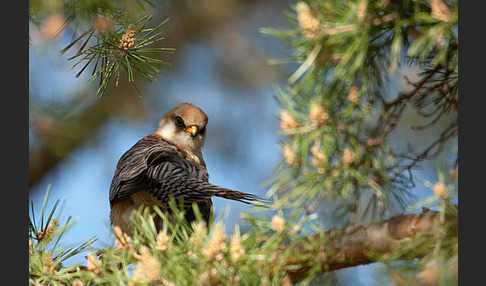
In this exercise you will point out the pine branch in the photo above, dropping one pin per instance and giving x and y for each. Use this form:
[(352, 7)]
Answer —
[(375, 242)]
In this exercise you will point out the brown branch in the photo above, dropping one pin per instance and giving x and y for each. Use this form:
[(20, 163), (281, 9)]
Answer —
[(360, 245), (67, 134), (422, 89), (427, 154)]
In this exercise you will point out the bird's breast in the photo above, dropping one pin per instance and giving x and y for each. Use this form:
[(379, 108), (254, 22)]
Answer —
[(144, 198)]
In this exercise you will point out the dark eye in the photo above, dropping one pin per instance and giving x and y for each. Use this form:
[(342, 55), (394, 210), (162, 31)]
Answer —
[(179, 122), (203, 130)]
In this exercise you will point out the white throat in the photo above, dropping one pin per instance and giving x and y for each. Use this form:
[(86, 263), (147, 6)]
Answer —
[(182, 140)]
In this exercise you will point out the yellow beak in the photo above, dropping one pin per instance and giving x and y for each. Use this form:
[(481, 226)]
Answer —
[(192, 130)]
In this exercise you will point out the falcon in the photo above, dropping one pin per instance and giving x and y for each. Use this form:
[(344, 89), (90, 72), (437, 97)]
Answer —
[(168, 163)]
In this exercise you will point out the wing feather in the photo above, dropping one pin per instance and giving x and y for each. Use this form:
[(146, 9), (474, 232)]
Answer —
[(158, 167)]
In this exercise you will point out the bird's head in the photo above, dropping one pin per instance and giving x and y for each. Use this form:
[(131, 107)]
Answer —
[(184, 126)]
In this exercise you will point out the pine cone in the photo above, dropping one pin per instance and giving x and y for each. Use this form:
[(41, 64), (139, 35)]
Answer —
[(127, 40)]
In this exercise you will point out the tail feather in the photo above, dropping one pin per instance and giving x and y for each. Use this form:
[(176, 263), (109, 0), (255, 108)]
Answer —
[(242, 197)]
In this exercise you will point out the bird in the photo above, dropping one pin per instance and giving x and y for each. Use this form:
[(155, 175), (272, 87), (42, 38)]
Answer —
[(168, 163)]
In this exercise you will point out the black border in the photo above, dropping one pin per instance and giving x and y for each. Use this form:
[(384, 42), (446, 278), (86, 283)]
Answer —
[(471, 141), (15, 140)]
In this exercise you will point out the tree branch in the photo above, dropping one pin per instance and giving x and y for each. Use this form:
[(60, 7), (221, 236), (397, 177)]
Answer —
[(360, 245), (69, 134)]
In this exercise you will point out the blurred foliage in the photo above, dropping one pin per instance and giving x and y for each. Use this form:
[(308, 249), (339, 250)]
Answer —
[(336, 118), (337, 113)]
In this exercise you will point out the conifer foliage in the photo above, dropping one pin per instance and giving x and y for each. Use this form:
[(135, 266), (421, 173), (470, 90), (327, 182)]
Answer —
[(109, 37)]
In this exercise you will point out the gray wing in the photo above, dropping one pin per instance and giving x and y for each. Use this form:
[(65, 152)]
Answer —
[(159, 168)]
